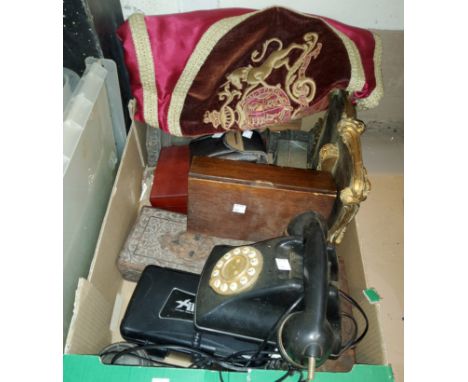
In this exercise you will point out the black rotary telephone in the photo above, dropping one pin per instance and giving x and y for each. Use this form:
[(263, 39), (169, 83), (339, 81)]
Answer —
[(279, 292)]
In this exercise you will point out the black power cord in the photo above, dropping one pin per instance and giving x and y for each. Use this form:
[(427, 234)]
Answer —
[(354, 339), (238, 361), (221, 376), (354, 303), (351, 340), (273, 330), (138, 356)]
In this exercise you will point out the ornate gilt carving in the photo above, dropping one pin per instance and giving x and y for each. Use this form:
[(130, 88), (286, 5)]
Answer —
[(359, 186), (328, 157)]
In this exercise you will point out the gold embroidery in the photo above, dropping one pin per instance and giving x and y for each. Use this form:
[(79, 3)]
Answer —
[(358, 78), (218, 31), (203, 49), (259, 103)]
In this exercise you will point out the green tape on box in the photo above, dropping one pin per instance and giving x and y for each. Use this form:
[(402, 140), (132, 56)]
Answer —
[(372, 296), (88, 368)]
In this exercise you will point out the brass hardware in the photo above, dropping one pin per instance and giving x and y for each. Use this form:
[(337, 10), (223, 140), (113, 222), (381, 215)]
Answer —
[(328, 157), (236, 271), (311, 369)]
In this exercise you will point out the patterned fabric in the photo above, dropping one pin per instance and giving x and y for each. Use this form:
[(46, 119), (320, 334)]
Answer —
[(237, 69)]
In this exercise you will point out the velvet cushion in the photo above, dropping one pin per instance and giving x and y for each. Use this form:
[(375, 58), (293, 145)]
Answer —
[(227, 69)]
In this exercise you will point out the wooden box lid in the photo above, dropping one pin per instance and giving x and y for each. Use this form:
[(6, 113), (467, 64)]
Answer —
[(262, 175)]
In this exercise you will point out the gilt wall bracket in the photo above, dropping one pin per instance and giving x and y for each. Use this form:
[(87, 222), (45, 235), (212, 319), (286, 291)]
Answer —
[(349, 130)]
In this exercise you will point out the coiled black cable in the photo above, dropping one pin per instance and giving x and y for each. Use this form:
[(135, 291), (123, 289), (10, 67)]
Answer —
[(354, 303), (244, 360)]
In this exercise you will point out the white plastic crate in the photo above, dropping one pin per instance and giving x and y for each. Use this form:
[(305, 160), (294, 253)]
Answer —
[(90, 161)]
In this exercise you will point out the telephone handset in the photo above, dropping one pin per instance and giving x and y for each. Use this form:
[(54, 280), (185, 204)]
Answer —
[(307, 338)]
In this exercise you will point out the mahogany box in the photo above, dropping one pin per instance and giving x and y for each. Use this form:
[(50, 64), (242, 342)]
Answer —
[(170, 183), (252, 201)]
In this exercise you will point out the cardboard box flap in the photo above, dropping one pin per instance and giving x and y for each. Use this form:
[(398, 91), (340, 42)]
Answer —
[(90, 369), (89, 328), (371, 350), (120, 216), (94, 299)]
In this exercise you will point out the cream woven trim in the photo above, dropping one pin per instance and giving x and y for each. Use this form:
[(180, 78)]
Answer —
[(145, 67), (374, 98), (204, 47)]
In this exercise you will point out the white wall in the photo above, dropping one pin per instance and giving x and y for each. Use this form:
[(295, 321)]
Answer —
[(375, 14)]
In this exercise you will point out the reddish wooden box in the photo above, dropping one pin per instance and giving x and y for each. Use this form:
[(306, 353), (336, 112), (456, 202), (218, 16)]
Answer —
[(251, 201), (170, 183)]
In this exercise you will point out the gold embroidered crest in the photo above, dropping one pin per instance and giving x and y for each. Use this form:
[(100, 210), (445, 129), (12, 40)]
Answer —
[(259, 103)]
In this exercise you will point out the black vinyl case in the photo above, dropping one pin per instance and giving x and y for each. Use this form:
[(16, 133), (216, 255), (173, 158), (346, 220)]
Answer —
[(161, 311)]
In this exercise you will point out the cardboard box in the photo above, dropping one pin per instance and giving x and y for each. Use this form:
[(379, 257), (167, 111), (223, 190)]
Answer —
[(102, 297)]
